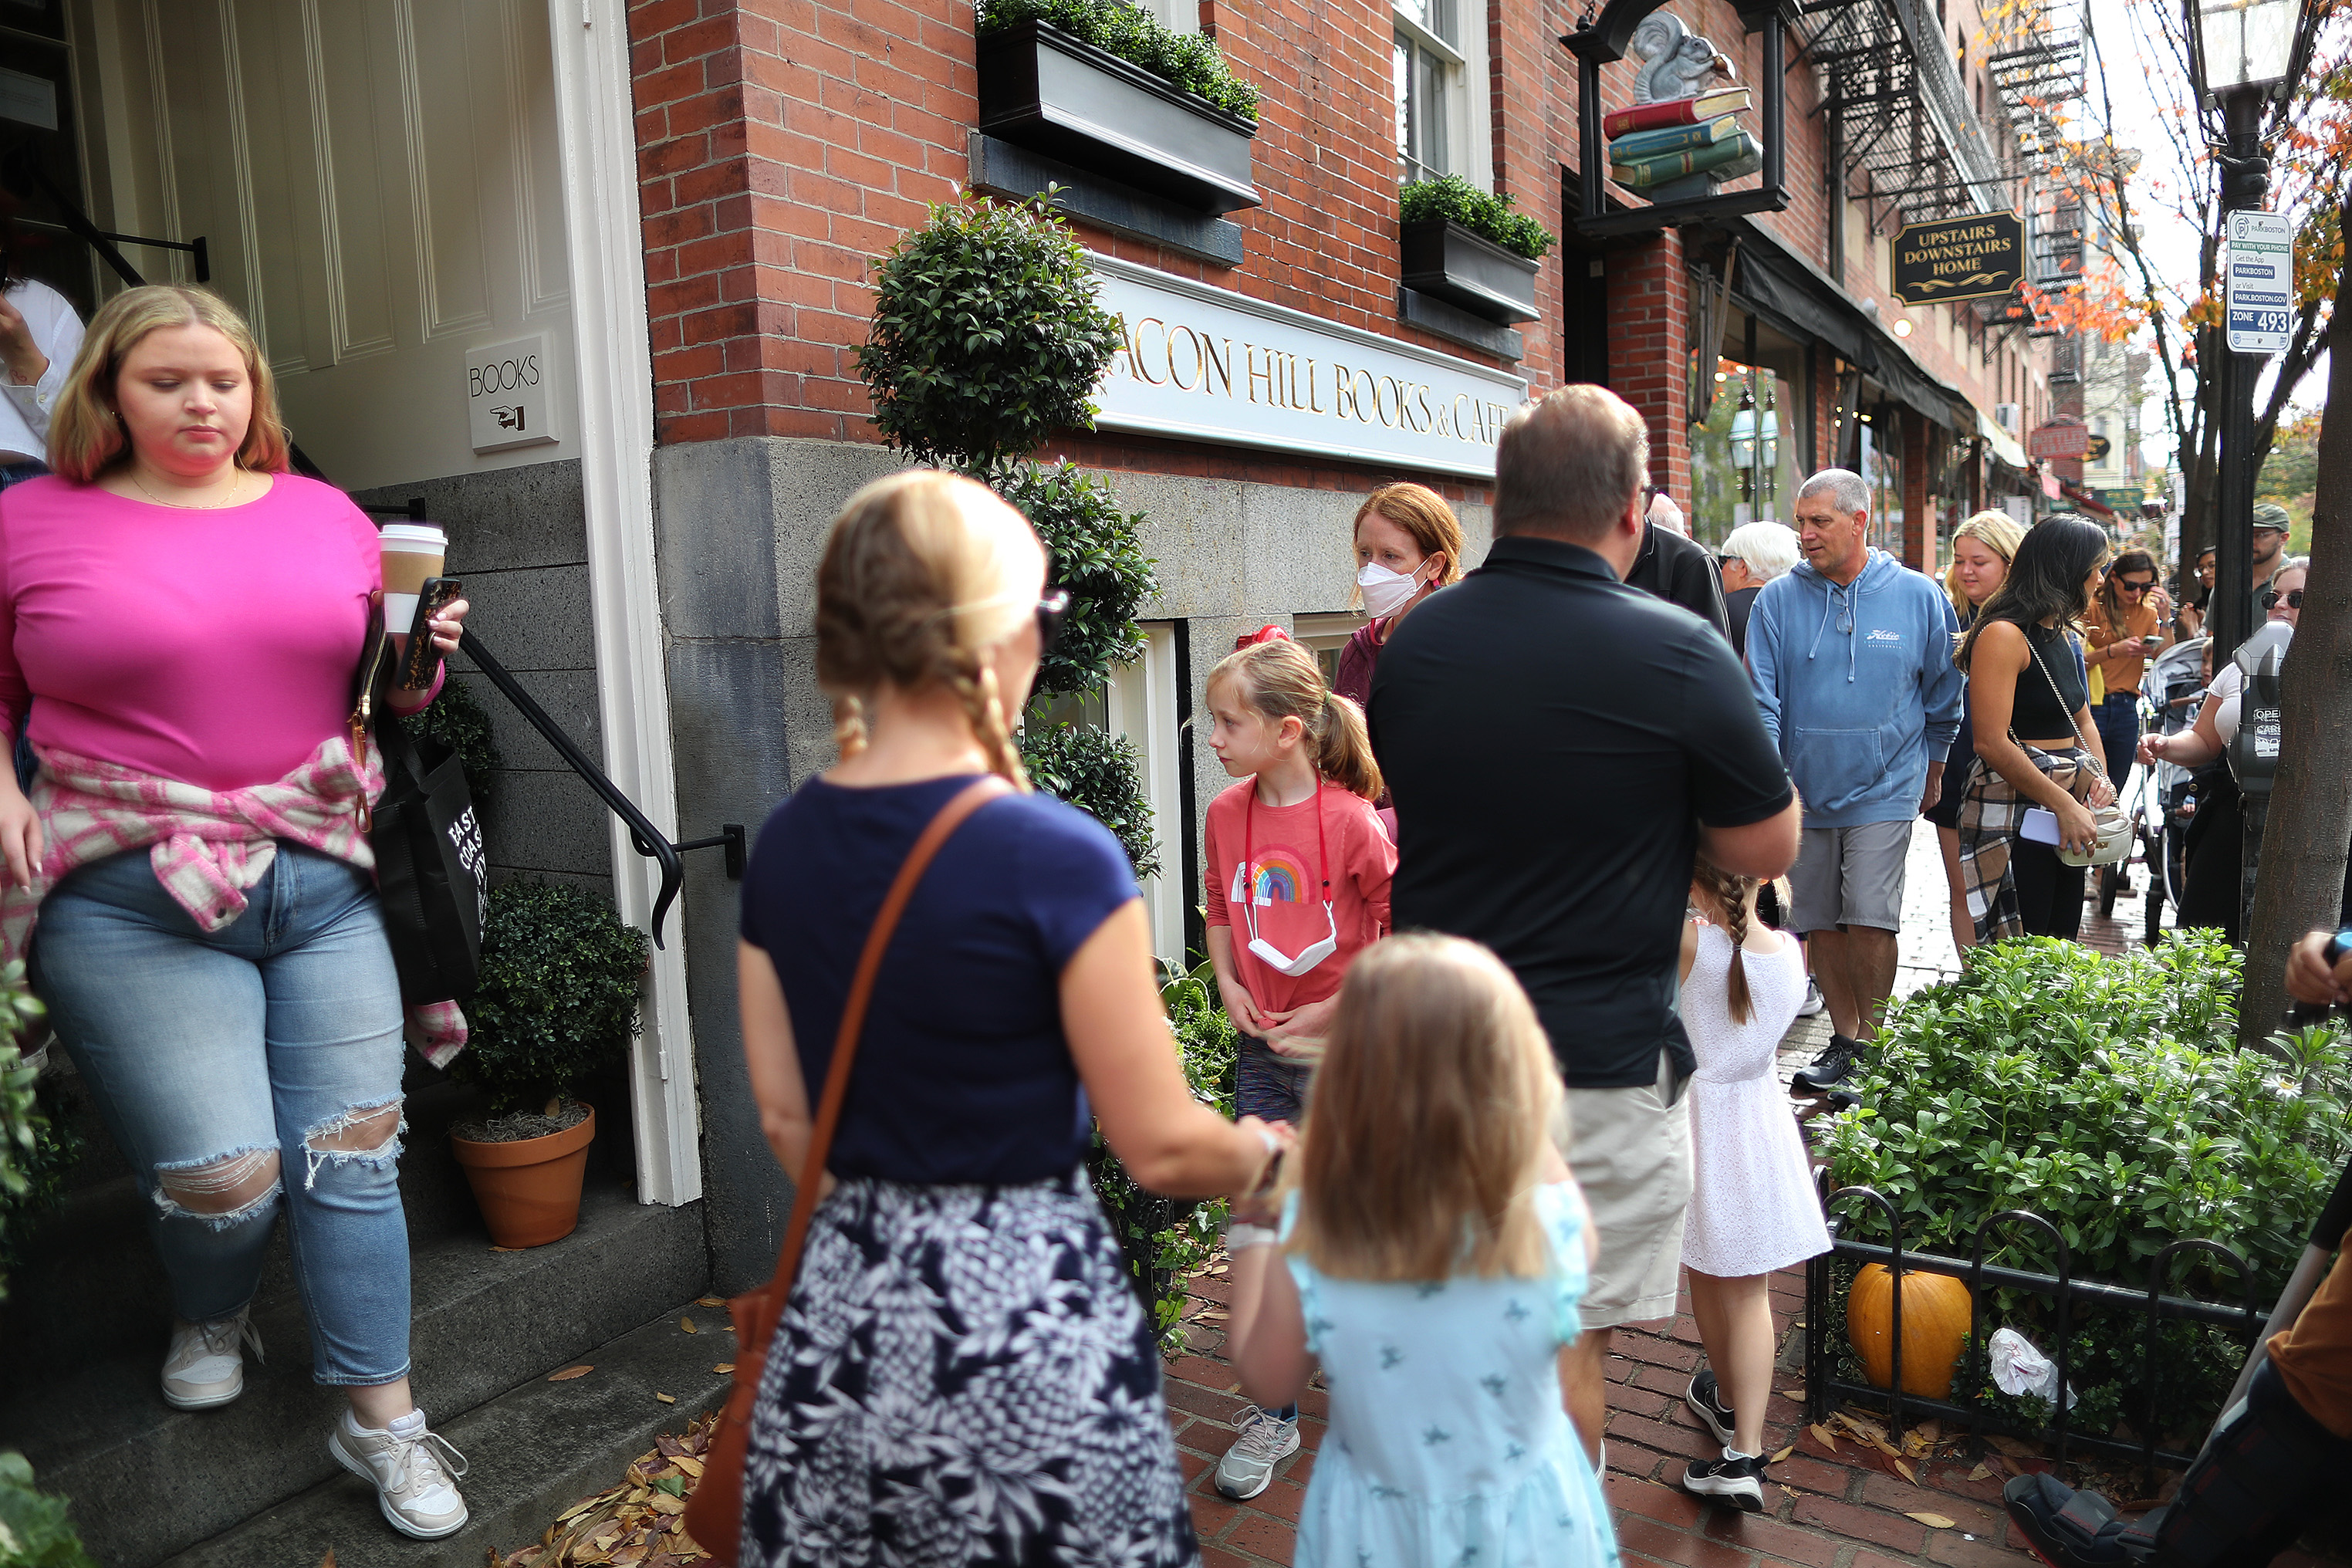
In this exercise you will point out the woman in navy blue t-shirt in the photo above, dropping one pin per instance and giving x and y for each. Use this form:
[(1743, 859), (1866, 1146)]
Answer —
[(964, 1374)]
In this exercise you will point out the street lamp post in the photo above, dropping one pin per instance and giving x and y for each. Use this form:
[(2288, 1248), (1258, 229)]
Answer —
[(1743, 454), (2244, 56)]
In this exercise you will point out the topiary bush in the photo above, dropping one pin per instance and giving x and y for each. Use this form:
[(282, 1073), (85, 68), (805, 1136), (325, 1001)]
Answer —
[(557, 996), (1186, 60), (456, 719), (1098, 770), (986, 337), (1097, 555), (2106, 1094), (1483, 213)]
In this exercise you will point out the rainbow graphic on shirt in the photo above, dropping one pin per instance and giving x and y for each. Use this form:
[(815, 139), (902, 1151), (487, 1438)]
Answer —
[(1281, 877)]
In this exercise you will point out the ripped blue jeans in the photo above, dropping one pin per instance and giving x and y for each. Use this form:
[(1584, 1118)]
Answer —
[(242, 1071)]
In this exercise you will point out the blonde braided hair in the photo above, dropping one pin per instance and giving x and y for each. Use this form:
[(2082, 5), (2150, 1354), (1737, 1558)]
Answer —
[(1729, 895), (925, 572)]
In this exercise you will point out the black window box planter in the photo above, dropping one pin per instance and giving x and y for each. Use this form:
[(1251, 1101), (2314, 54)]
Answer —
[(1044, 90), (1440, 257)]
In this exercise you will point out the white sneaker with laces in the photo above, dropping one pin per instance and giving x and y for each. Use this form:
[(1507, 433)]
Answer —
[(415, 1472), (205, 1365), (1265, 1440)]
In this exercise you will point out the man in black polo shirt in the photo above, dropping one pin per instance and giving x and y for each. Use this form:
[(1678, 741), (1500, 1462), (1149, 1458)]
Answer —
[(1560, 746)]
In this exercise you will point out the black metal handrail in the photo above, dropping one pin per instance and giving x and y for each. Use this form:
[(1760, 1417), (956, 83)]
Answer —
[(2065, 1290), (644, 836)]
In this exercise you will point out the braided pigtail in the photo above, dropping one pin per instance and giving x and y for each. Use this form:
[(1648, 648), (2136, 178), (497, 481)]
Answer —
[(849, 735), (1728, 894), (974, 680)]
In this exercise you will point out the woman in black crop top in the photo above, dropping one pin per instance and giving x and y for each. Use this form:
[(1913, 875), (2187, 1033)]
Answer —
[(2035, 742)]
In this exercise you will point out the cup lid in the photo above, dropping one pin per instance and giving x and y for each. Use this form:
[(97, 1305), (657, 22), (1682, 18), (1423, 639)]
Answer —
[(414, 533)]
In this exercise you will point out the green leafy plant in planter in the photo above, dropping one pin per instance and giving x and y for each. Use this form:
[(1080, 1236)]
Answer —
[(1484, 213), (34, 1529), (2106, 1094), (32, 1160), (1186, 60), (456, 719), (557, 996), (1078, 763)]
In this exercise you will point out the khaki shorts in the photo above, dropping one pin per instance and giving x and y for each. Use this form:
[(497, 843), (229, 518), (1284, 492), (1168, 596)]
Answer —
[(1631, 1151)]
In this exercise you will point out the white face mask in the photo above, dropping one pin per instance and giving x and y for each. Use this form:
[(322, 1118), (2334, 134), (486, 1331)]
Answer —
[(1385, 592)]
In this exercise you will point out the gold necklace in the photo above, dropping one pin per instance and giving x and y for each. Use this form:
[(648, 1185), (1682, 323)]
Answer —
[(235, 485)]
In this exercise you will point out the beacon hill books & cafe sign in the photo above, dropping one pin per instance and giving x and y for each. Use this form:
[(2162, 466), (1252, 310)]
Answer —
[(1203, 364)]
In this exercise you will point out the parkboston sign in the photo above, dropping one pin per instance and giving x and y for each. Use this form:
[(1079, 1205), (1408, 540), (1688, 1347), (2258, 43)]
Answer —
[(1978, 257), (1203, 364)]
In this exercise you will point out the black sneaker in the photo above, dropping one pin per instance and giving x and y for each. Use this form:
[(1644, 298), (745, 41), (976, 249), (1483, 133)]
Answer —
[(1840, 1059), (1737, 1483), (1707, 1403)]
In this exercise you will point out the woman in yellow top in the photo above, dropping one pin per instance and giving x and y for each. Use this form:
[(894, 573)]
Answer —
[(2130, 623)]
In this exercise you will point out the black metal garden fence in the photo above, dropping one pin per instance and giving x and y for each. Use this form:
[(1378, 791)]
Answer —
[(1824, 1387)]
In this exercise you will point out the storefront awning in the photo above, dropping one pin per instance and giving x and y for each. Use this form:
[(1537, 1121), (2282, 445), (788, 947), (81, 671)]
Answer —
[(2004, 445), (1801, 300)]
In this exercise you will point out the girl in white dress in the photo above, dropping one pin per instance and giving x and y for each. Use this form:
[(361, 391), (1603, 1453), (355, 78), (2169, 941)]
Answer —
[(1752, 1208), (1435, 1247)]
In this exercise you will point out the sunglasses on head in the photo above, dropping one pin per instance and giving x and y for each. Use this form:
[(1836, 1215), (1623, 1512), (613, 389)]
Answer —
[(2271, 598), (1051, 609)]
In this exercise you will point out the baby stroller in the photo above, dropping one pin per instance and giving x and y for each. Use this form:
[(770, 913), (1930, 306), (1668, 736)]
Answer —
[(2164, 800)]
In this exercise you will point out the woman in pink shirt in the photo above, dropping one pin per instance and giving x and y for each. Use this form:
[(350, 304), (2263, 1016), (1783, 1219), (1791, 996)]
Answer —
[(190, 617)]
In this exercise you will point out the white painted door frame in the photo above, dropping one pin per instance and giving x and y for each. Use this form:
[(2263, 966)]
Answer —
[(597, 129)]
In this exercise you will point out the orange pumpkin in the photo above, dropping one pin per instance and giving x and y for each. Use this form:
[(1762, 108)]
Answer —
[(1935, 1318)]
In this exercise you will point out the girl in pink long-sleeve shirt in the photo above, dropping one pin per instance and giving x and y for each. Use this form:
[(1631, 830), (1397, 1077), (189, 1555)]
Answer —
[(186, 620)]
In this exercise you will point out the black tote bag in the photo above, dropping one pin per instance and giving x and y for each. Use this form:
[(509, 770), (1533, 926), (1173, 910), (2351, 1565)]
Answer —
[(431, 874)]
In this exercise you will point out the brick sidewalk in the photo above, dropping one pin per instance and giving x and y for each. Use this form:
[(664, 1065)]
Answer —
[(1828, 1508)]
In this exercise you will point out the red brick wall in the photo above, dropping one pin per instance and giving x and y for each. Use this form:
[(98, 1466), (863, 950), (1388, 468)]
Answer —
[(782, 142)]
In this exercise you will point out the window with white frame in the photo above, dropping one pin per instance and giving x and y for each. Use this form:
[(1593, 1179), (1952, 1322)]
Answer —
[(1439, 73)]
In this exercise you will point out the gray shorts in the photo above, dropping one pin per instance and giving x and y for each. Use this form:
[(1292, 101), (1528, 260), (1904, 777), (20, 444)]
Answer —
[(1631, 1152), (1849, 877)]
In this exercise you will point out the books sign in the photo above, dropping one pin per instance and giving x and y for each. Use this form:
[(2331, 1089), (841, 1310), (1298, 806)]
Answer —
[(2064, 439), (1203, 364), (1978, 257), (2258, 282), (509, 395)]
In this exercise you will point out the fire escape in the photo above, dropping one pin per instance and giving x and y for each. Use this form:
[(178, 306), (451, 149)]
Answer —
[(1902, 138), (2037, 74)]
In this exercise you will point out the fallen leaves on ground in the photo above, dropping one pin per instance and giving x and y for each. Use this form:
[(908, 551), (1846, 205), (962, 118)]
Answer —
[(635, 1524), (710, 1301), (1933, 1521), (687, 1324), (568, 1373)]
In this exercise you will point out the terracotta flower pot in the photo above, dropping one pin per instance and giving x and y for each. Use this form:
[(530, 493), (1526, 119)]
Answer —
[(529, 1189)]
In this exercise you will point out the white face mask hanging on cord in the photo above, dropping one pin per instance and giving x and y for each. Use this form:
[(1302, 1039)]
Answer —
[(1245, 891)]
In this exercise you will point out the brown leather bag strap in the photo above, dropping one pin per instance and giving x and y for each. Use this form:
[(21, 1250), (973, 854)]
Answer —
[(853, 1023)]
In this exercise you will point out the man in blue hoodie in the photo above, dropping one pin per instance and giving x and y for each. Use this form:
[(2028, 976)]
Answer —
[(1852, 656)]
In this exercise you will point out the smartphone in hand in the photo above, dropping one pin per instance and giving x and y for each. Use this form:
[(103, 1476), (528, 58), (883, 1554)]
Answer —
[(421, 661)]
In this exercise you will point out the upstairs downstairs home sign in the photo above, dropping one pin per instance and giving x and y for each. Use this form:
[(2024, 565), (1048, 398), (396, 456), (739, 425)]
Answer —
[(1978, 257), (1203, 363)]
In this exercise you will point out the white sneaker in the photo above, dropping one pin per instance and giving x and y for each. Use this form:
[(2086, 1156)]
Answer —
[(1265, 1440), (415, 1470), (1812, 1006), (206, 1366)]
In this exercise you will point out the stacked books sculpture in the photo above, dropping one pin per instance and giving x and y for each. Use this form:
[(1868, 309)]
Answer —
[(1682, 139)]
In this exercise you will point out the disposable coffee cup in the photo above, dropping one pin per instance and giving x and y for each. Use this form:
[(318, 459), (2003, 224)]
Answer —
[(412, 552)]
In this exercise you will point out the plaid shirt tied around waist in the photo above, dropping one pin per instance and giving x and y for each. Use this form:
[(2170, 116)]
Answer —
[(208, 847)]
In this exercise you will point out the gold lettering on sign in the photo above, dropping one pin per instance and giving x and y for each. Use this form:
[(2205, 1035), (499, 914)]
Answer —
[(1193, 359)]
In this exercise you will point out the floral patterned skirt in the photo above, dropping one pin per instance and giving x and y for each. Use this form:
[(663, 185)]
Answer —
[(963, 1378)]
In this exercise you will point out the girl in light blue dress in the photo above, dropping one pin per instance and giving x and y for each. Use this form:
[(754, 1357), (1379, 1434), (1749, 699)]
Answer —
[(1435, 1247)]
